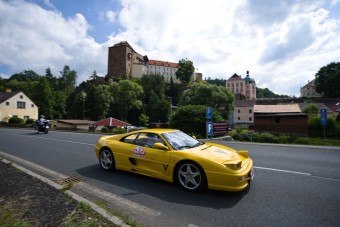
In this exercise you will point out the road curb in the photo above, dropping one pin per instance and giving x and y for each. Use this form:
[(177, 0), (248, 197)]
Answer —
[(115, 220)]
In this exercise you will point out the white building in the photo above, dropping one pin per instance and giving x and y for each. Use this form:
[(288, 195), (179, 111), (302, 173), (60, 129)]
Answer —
[(16, 104)]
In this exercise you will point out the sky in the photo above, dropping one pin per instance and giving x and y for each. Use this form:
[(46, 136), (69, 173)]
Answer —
[(283, 43)]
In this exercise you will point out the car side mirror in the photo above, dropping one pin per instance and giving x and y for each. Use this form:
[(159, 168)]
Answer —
[(160, 146)]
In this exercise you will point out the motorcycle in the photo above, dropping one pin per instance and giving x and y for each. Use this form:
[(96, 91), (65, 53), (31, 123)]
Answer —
[(41, 126)]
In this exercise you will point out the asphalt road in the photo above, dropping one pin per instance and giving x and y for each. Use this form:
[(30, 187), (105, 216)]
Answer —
[(293, 185)]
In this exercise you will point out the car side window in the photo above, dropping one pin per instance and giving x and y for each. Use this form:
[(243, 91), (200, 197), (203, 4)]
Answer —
[(130, 139), (148, 139)]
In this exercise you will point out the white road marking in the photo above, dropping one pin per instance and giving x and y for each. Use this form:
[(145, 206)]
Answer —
[(282, 170), (47, 138)]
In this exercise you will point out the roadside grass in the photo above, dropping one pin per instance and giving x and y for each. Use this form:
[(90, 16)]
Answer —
[(13, 215), (16, 214), (123, 217)]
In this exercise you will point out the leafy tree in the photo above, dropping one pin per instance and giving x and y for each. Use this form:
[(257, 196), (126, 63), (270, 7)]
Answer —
[(43, 98), (67, 81), (51, 79), (127, 96), (209, 95), (218, 82), (266, 93), (156, 104), (103, 99), (311, 110), (191, 119), (185, 71), (26, 75), (327, 80), (59, 106)]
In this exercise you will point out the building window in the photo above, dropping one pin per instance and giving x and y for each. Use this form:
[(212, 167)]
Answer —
[(250, 119), (238, 118), (21, 105), (250, 111), (238, 111), (7, 103), (32, 105), (21, 97)]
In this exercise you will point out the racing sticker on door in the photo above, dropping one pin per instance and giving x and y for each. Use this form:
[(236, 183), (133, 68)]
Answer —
[(139, 152)]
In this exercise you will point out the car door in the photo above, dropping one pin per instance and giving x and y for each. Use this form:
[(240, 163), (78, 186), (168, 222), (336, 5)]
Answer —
[(147, 159)]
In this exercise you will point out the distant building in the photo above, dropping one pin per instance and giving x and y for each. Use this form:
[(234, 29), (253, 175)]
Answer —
[(121, 58), (243, 115), (125, 62), (16, 103), (166, 69), (309, 90), (286, 118), (239, 86)]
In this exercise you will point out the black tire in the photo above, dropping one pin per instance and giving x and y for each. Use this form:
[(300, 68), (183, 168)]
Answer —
[(191, 177), (107, 160), (46, 131)]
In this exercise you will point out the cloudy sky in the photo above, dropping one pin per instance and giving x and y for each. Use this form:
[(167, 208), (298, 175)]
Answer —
[(283, 43)]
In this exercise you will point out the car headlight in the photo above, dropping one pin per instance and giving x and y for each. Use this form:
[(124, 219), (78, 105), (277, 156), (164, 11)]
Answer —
[(234, 166)]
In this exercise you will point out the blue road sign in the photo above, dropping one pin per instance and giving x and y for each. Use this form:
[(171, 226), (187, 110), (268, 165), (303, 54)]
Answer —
[(210, 131), (209, 113), (323, 117)]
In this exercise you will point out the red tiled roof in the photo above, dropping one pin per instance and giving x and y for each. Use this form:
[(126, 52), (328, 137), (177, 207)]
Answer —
[(111, 122), (76, 122), (162, 63)]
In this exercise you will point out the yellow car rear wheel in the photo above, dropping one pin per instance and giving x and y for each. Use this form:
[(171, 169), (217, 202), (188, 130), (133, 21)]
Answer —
[(107, 160)]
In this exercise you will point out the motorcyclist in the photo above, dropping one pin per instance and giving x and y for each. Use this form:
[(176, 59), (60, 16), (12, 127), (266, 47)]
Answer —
[(42, 119)]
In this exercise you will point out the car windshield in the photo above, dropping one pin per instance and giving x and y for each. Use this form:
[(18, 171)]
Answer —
[(179, 140)]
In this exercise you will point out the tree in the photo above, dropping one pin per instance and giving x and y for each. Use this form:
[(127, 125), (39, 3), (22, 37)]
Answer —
[(185, 71), (127, 96), (67, 81), (311, 110), (59, 106), (103, 99), (327, 80), (191, 119), (207, 94), (156, 104), (43, 98)]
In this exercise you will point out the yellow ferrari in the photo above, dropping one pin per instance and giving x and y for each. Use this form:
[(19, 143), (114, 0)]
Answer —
[(174, 156)]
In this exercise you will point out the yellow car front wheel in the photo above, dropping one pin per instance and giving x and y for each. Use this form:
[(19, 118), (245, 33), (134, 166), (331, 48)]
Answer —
[(191, 176)]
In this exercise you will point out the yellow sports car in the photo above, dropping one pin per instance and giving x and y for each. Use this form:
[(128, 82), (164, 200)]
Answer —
[(174, 156)]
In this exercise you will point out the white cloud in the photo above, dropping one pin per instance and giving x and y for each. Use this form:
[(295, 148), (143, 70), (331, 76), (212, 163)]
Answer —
[(111, 16), (282, 43), (40, 39)]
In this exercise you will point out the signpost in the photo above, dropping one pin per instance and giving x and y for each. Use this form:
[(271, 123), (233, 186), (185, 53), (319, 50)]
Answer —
[(323, 121), (209, 122)]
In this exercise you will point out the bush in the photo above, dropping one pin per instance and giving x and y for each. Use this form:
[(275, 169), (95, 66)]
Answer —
[(30, 121), (302, 140), (16, 120), (105, 129), (190, 119), (119, 130)]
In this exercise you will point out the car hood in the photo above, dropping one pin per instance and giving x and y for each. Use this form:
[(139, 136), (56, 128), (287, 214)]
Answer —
[(218, 154)]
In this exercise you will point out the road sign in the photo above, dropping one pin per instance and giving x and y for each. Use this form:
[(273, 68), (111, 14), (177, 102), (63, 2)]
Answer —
[(209, 113), (210, 130), (323, 117)]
